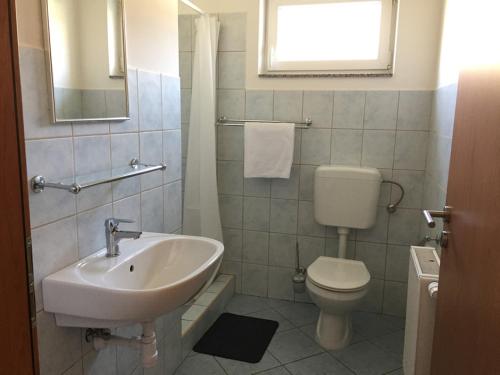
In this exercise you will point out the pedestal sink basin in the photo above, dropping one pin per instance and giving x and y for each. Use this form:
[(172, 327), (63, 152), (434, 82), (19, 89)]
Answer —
[(152, 276)]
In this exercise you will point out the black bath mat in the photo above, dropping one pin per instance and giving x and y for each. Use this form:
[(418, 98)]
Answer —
[(237, 337)]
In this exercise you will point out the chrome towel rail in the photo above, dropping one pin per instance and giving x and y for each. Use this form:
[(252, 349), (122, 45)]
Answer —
[(306, 124), (38, 183)]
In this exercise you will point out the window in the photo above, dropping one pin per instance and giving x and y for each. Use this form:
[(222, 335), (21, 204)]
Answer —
[(329, 36)]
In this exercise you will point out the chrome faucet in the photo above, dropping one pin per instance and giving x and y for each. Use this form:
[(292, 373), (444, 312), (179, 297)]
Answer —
[(113, 235)]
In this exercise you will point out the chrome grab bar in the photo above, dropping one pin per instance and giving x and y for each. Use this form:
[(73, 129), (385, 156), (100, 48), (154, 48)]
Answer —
[(38, 183), (306, 124), (431, 214)]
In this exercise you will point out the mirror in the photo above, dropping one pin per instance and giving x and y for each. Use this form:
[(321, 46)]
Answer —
[(86, 60)]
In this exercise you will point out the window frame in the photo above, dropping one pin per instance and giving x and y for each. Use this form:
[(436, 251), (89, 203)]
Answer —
[(383, 66)]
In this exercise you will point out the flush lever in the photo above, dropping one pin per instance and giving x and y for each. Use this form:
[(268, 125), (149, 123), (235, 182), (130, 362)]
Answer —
[(431, 214)]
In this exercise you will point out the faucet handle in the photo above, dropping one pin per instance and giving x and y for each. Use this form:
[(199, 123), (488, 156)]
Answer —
[(112, 223)]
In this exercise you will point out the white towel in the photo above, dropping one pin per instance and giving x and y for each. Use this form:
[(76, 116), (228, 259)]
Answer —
[(269, 149)]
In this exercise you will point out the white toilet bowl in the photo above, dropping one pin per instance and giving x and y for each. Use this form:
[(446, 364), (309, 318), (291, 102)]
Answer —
[(336, 286)]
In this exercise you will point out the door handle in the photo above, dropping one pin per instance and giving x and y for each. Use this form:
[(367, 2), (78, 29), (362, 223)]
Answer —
[(431, 214)]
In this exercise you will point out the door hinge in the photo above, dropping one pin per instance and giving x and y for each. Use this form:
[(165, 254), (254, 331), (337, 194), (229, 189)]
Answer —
[(31, 280)]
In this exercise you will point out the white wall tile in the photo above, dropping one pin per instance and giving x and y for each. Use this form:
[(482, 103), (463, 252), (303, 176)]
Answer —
[(185, 28), (54, 247), (231, 211), (381, 110), (91, 236), (373, 256), (172, 155), (171, 102), (349, 109), (284, 216), (149, 88), (151, 151), (232, 70), (395, 298), (310, 248), (173, 206), (280, 283), (233, 244), (36, 115), (307, 225), (287, 188), (315, 148), (53, 159), (282, 250), (233, 32), (256, 247), (128, 208), (288, 105), (397, 264), (318, 106), (58, 347), (411, 150), (152, 210), (259, 105), (414, 110), (231, 104), (185, 69), (256, 213), (254, 279), (346, 147), (378, 148)]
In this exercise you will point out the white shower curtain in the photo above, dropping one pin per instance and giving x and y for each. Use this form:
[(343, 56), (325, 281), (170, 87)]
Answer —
[(201, 201)]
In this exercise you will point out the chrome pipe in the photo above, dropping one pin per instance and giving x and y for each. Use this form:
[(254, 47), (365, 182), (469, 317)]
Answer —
[(306, 124)]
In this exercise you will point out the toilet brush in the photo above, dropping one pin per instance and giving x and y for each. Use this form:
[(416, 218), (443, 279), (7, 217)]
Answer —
[(299, 278)]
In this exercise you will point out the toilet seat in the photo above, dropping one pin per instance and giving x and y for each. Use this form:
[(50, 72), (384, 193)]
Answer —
[(339, 275)]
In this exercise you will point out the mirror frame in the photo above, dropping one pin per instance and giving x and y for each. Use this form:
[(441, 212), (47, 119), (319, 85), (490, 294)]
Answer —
[(50, 75)]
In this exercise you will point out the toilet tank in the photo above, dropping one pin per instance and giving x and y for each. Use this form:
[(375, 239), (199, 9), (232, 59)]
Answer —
[(346, 196)]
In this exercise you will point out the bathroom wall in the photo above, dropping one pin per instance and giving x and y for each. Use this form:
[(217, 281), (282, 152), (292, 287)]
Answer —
[(66, 227), (460, 48), (416, 51), (263, 219)]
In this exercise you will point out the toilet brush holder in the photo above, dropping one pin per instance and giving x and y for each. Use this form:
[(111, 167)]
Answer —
[(299, 280)]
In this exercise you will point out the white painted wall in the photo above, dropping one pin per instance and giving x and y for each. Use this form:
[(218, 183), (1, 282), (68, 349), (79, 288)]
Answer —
[(470, 37), (94, 46), (65, 24), (151, 28), (416, 59)]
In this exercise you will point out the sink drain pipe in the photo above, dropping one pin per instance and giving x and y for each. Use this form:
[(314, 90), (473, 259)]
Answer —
[(102, 338)]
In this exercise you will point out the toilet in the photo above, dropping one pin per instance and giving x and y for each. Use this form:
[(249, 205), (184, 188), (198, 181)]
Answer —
[(344, 197)]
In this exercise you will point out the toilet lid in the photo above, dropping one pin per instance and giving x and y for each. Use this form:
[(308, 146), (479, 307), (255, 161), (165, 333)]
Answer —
[(338, 274)]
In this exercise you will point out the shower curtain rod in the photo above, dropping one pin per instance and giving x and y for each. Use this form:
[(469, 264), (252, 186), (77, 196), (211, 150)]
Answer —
[(193, 6)]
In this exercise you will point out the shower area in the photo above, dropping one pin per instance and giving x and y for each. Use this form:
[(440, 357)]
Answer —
[(199, 35), (265, 222)]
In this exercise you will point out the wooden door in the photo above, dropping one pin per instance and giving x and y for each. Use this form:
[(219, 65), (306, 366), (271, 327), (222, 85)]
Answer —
[(18, 334), (467, 332)]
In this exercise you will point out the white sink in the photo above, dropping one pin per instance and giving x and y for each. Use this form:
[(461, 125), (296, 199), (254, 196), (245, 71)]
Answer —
[(152, 276)]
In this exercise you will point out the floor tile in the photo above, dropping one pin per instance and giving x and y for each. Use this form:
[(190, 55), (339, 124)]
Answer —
[(275, 371), (270, 314), (244, 368), (200, 364), (299, 314), (392, 343), (293, 345), (372, 325), (242, 304), (397, 372), (322, 364), (366, 358), (310, 330)]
